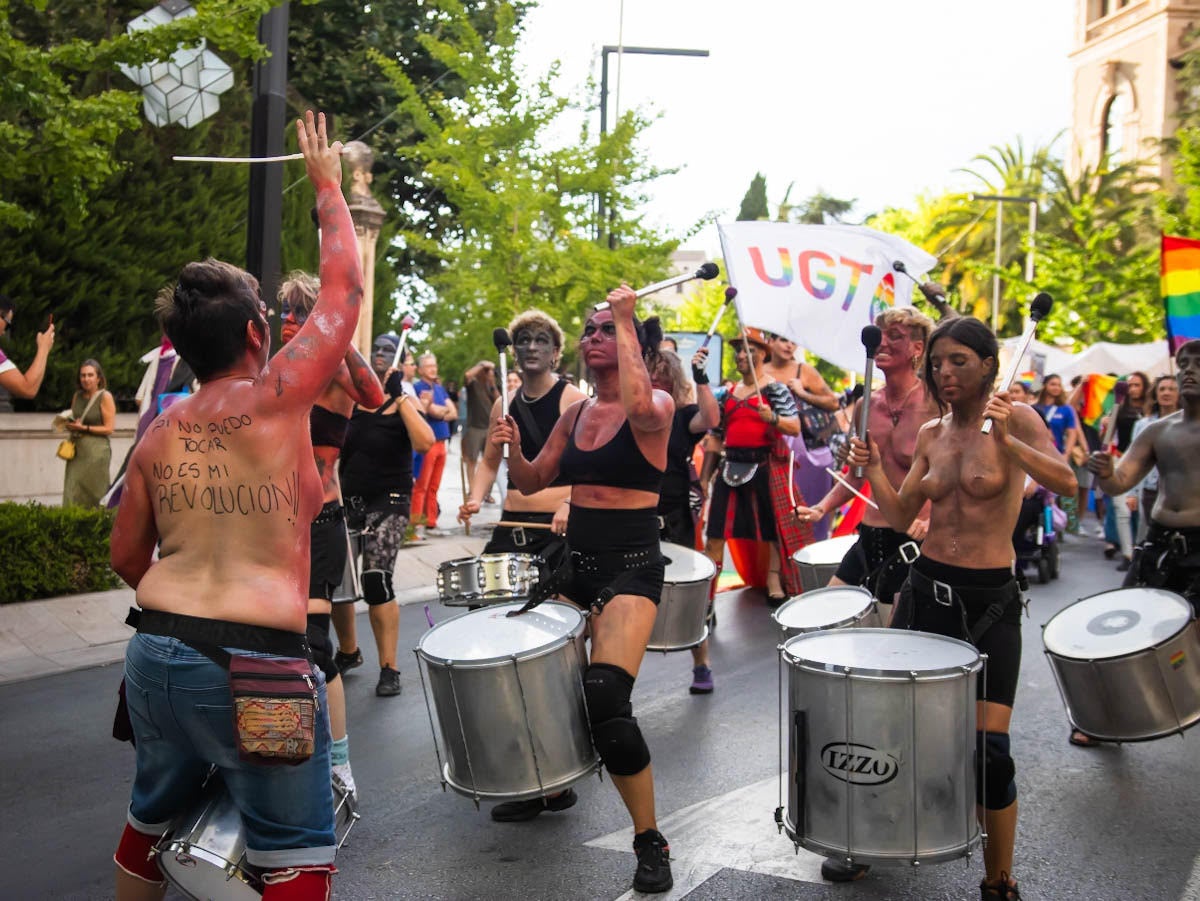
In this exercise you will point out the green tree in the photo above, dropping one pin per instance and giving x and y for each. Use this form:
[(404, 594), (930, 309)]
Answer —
[(754, 204), (819, 209), (521, 233)]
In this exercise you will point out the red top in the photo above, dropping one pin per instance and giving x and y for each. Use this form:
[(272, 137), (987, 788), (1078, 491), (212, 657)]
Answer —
[(743, 426)]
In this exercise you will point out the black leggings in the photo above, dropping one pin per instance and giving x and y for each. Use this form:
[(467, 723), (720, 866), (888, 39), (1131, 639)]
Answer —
[(1001, 642)]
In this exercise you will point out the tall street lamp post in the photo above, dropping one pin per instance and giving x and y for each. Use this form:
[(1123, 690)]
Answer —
[(1000, 200), (605, 51)]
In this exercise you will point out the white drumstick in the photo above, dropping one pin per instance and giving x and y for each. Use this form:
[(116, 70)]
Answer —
[(837, 475), (238, 159)]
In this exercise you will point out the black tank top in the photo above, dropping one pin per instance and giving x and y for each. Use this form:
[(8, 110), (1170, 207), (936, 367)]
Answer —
[(617, 464), (536, 419), (378, 453), (328, 429)]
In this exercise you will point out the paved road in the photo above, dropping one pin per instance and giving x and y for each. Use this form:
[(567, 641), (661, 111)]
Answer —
[(1116, 822)]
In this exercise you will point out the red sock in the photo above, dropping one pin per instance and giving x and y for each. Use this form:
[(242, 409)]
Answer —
[(299, 884), (135, 855)]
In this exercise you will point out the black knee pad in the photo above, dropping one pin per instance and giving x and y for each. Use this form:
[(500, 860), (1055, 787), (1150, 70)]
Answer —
[(322, 646), (377, 587), (1000, 789), (615, 731)]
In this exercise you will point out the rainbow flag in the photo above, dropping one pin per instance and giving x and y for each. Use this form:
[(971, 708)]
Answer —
[(1097, 397), (1181, 289)]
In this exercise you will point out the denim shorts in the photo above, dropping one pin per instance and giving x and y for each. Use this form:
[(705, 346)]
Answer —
[(182, 716)]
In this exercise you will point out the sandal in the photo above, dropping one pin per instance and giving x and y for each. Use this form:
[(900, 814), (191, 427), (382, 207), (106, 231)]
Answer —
[(1082, 739), (774, 600)]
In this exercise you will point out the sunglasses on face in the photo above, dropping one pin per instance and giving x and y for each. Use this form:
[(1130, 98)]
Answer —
[(299, 314), (383, 349)]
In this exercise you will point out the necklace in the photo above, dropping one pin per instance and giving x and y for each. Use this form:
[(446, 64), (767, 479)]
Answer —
[(895, 415), (526, 399)]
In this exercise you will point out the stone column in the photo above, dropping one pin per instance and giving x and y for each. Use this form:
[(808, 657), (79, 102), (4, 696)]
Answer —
[(367, 214)]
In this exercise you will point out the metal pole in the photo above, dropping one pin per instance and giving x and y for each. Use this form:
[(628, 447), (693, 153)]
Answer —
[(600, 210), (996, 275), (1032, 233)]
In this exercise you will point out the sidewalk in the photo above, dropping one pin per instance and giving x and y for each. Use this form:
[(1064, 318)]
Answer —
[(57, 635)]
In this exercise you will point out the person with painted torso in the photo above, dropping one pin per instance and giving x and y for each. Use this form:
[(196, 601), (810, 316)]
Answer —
[(224, 484), (963, 584), (329, 421), (897, 412), (612, 450)]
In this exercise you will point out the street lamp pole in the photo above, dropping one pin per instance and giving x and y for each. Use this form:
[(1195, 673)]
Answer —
[(1000, 200), (601, 213)]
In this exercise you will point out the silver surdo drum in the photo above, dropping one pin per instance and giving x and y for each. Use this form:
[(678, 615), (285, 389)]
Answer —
[(837, 607), (508, 697), (204, 853), (487, 579), (1127, 663), (818, 562), (881, 726), (682, 620)]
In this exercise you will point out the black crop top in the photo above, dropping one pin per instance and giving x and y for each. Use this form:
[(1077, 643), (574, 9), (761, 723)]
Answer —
[(328, 429), (617, 464)]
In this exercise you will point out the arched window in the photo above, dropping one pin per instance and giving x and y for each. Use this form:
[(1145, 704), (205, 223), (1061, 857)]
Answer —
[(1112, 130)]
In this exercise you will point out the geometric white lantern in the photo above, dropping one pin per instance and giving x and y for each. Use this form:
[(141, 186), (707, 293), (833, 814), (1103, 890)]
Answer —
[(184, 88)]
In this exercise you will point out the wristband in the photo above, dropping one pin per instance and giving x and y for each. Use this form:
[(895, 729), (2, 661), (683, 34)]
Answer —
[(699, 376)]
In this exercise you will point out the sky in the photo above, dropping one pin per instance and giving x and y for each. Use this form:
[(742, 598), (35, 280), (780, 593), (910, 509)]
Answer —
[(875, 100)]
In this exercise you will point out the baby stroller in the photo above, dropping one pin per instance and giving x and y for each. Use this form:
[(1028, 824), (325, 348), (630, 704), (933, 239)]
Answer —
[(1036, 536)]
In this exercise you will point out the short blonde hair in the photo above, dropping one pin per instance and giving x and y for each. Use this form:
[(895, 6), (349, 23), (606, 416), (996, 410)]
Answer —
[(918, 324), (536, 319)]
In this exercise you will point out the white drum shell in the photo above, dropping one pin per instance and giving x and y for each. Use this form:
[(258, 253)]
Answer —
[(1139, 695), (682, 619), (514, 726), (817, 563), (881, 762), (836, 607), (487, 579)]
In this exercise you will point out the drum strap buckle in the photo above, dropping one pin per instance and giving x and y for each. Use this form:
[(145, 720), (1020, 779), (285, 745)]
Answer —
[(909, 552), (943, 593), (1179, 544), (519, 538)]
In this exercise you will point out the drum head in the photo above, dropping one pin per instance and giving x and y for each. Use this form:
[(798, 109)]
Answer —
[(1116, 623), (889, 652), (489, 634), (824, 553), (823, 609), (686, 565)]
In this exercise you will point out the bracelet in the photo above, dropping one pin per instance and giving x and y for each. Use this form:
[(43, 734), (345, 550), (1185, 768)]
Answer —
[(699, 376)]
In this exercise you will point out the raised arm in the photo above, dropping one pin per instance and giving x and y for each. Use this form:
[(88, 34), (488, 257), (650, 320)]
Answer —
[(646, 410), (709, 414), (1027, 440), (814, 389), (1135, 465), (901, 507), (531, 477), (356, 377), (302, 369), (27, 384)]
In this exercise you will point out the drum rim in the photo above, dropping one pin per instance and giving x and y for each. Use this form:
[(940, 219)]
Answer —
[(175, 846), (1191, 620), (808, 595), (811, 665), (663, 545), (488, 662)]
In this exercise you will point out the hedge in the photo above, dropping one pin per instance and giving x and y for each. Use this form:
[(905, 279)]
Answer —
[(50, 551)]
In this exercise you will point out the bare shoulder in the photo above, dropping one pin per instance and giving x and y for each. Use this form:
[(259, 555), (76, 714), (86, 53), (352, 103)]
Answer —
[(571, 395), (1027, 422)]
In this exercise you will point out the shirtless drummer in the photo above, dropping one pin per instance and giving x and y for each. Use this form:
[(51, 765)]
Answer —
[(1169, 558), (536, 404)]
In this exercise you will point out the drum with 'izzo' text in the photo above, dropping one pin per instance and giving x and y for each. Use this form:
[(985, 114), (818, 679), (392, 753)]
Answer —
[(881, 726)]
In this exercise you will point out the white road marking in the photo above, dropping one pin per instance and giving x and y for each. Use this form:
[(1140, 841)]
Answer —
[(1191, 889), (735, 830)]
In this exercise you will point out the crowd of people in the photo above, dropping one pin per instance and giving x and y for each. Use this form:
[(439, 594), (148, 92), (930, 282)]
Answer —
[(300, 450)]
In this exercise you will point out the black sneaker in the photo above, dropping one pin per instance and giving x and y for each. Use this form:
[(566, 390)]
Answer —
[(520, 811), (654, 862), (389, 683), (346, 662), (834, 869)]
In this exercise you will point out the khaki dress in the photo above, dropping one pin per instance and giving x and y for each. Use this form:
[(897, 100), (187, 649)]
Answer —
[(87, 477)]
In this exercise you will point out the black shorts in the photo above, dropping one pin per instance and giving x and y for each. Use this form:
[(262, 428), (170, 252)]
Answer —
[(509, 540), (473, 442), (322, 645), (327, 566), (920, 611), (1168, 559), (614, 551), (874, 562)]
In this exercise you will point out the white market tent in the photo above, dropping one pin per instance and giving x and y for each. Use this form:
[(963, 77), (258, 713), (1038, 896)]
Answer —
[(1103, 357)]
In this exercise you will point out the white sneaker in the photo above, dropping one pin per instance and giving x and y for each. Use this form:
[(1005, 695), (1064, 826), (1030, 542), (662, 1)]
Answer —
[(343, 777)]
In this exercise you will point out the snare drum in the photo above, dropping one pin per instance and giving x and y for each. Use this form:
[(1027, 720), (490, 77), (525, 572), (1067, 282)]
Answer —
[(819, 562), (881, 727), (837, 607), (682, 619), (1127, 663), (204, 854), (508, 694), (350, 589), (488, 579)]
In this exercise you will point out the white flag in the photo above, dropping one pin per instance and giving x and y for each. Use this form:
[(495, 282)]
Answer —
[(818, 285)]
